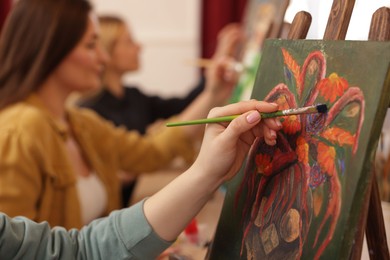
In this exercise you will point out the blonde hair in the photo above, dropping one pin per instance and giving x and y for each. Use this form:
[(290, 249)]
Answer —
[(110, 29)]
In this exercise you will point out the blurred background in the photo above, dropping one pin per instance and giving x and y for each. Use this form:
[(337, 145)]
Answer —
[(171, 33), (174, 32)]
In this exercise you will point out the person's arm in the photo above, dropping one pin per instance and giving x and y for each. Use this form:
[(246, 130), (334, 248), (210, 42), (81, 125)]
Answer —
[(229, 40), (222, 153), (143, 231), (125, 234), (163, 108), (220, 81), (220, 77), (219, 84), (128, 150)]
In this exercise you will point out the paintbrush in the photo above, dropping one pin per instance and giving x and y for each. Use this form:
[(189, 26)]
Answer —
[(321, 108), (205, 63)]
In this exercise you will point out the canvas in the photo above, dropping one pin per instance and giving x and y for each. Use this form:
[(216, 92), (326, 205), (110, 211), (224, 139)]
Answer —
[(303, 198)]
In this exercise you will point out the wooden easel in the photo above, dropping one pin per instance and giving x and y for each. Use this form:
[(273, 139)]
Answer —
[(336, 29), (276, 27), (375, 228)]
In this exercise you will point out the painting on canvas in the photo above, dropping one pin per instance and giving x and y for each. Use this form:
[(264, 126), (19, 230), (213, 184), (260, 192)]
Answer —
[(303, 197)]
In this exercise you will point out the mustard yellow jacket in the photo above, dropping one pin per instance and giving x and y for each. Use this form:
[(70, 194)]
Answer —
[(36, 177)]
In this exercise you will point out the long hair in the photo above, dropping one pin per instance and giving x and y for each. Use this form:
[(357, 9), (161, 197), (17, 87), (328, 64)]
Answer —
[(111, 28), (37, 36)]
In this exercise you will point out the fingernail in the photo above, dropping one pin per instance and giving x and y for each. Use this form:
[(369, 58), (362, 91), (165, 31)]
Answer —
[(279, 124), (253, 117), (274, 104), (273, 142)]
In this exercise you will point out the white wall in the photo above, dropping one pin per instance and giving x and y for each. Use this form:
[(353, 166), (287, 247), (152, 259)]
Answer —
[(360, 20), (169, 33)]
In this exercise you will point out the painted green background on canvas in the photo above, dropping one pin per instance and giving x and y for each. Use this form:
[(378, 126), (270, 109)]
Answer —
[(303, 197)]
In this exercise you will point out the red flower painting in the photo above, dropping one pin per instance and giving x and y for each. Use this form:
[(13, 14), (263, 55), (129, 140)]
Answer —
[(280, 181)]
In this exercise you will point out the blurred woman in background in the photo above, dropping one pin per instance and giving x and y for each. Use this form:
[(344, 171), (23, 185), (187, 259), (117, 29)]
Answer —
[(57, 163), (128, 106)]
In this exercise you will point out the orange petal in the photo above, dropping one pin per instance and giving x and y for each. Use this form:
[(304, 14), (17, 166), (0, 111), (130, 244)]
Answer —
[(332, 87), (339, 136), (326, 156), (264, 165), (302, 150), (291, 124), (293, 66)]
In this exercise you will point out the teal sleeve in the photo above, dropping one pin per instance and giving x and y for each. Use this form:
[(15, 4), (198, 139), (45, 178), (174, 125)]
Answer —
[(125, 234)]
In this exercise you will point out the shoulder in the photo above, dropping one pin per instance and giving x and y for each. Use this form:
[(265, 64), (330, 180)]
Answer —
[(23, 117), (24, 128)]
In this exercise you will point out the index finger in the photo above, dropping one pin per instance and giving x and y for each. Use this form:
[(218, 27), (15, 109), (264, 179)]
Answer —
[(243, 107)]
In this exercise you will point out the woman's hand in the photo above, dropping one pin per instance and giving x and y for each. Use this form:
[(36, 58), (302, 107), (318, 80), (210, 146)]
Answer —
[(225, 145), (221, 78), (229, 40), (221, 75), (223, 150)]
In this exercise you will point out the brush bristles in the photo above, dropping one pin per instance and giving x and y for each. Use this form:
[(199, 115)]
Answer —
[(322, 108)]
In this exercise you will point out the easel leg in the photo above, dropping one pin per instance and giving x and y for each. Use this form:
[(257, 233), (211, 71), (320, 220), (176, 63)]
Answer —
[(375, 228)]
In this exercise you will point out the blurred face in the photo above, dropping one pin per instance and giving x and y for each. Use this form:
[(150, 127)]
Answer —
[(82, 69), (125, 53)]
